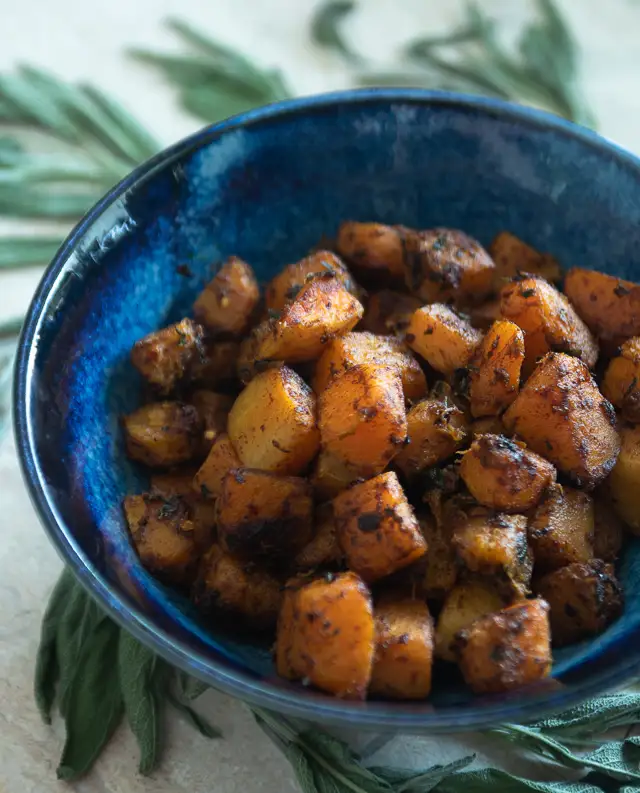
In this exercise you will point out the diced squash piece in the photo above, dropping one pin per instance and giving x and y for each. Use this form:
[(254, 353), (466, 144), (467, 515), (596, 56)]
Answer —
[(376, 527), (201, 510), (621, 383), (561, 528), (163, 434), (261, 515), (464, 604), (503, 474), (389, 312), (213, 409), (608, 535), (164, 358), (221, 459), (272, 424), (443, 338), (216, 366), (484, 315), (326, 634), (362, 417), (624, 479), (491, 425), (513, 256), (286, 285), (585, 598), (494, 369), (506, 650), (561, 414), (323, 549), (439, 567), (331, 475), (373, 247), (609, 305), (404, 649), (227, 303), (173, 483)]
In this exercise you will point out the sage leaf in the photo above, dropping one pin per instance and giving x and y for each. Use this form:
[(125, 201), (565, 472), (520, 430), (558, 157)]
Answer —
[(94, 702), (189, 687), (201, 724), (594, 717), (326, 28), (27, 251), (490, 780), (405, 781)]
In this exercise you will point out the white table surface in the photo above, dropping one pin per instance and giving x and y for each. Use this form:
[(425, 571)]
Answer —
[(85, 40)]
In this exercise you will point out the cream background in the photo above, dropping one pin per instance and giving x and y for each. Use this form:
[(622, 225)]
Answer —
[(85, 40)]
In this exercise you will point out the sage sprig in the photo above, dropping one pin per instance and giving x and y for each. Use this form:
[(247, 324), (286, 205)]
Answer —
[(326, 28)]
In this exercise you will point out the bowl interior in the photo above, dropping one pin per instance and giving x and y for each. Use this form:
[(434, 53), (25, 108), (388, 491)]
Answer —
[(267, 187)]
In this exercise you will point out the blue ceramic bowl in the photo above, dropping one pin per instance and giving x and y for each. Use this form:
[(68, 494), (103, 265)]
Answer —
[(266, 185)]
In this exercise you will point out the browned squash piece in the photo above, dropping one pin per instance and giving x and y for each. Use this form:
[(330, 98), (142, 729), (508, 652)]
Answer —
[(331, 475), (173, 483), (506, 650), (494, 544), (621, 383), (373, 247), (491, 425), (163, 434), (201, 510), (609, 306), (484, 315), (549, 321), (561, 414), (272, 424), (216, 366), (447, 265), (165, 538), (494, 369), (286, 285), (213, 409), (362, 417), (503, 474), (376, 527), (436, 429), (355, 348), (164, 357), (261, 515), (608, 536), (584, 600), (464, 604), (561, 528), (242, 593), (326, 634), (513, 256), (221, 459), (321, 310), (404, 649), (389, 312), (439, 567), (623, 482), (323, 549), (227, 303), (443, 338)]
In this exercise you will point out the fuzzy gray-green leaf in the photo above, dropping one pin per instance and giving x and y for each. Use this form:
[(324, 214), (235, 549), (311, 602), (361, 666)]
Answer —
[(326, 28)]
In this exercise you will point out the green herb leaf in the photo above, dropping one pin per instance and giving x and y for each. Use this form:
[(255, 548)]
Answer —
[(326, 24), (190, 688), (490, 780), (404, 781), (201, 724), (26, 251)]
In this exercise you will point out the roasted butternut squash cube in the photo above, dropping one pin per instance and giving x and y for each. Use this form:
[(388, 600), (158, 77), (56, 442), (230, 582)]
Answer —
[(549, 321), (323, 549), (164, 358), (503, 474), (465, 603), (445, 340), (513, 256), (609, 305), (608, 535), (221, 459), (621, 383), (216, 366), (561, 414), (362, 417), (286, 285), (489, 425), (376, 527), (506, 650), (494, 544), (227, 303), (561, 528), (494, 369), (447, 265), (373, 247), (201, 510), (326, 634), (355, 348), (439, 567), (272, 423), (331, 475), (623, 482), (585, 598), (163, 434), (404, 649), (485, 314), (229, 588), (264, 516), (213, 409), (389, 312)]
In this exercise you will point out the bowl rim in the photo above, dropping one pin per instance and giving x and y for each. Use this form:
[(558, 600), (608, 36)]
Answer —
[(235, 682)]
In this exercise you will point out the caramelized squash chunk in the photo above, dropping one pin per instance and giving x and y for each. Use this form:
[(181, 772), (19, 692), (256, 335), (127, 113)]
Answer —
[(549, 321), (326, 634), (362, 417), (561, 528), (608, 535), (389, 312), (489, 425), (443, 338), (465, 603), (164, 358), (201, 510), (373, 247), (272, 424), (561, 414), (323, 549), (163, 434), (227, 303), (609, 306), (404, 649), (376, 527), (230, 588), (215, 366), (447, 265), (623, 482), (585, 598), (621, 383), (439, 567), (513, 256), (506, 650), (355, 348), (221, 459), (494, 369), (286, 285), (505, 475), (331, 475), (213, 409)]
